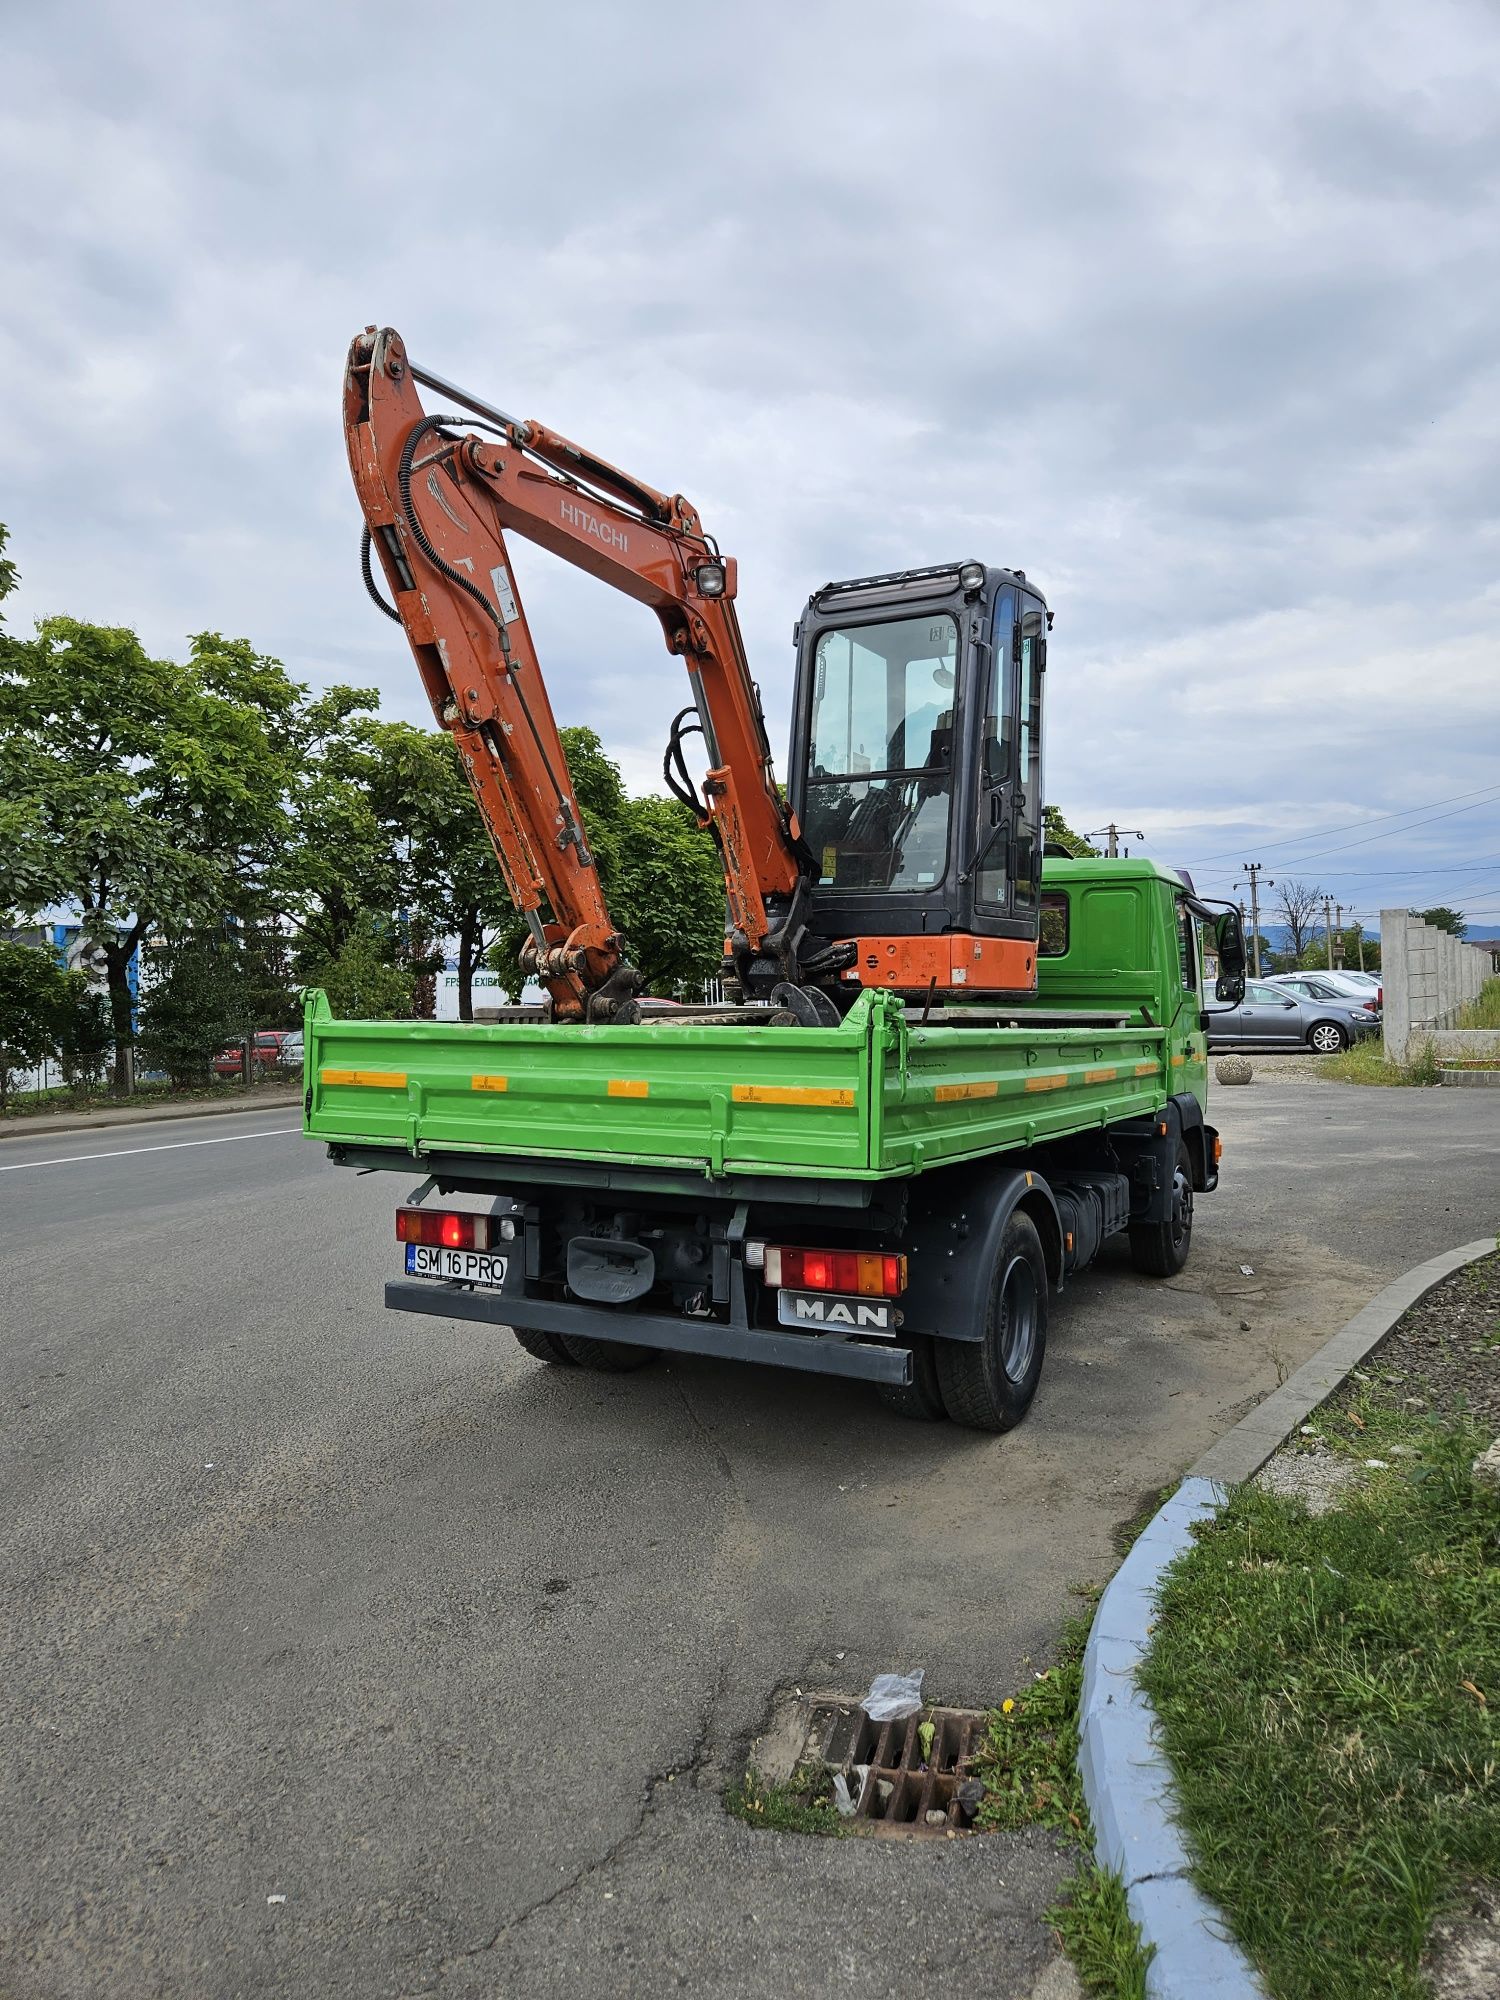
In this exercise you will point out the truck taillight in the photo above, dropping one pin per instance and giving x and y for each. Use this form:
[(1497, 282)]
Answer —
[(876, 1274), (450, 1229)]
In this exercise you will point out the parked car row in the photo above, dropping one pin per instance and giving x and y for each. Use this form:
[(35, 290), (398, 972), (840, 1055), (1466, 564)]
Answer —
[(271, 1048), (1277, 1014)]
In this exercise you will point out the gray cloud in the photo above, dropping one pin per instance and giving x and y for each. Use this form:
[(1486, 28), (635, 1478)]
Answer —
[(1194, 322)]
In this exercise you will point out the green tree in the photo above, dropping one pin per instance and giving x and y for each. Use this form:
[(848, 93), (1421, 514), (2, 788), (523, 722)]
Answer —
[(1443, 919), (140, 791), (1057, 833), (84, 1033), (449, 879), (362, 980), (660, 874), (10, 576), (194, 1005), (34, 997), (337, 862)]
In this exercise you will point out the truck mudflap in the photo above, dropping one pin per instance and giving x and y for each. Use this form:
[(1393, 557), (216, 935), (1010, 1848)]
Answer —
[(814, 1354)]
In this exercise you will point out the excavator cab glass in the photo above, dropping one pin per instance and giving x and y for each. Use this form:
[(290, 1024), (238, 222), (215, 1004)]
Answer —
[(916, 761)]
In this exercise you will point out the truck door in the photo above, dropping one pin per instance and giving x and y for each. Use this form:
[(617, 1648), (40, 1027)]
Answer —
[(1007, 875)]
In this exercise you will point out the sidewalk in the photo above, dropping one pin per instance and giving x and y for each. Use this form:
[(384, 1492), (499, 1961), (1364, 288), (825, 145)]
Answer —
[(42, 1124)]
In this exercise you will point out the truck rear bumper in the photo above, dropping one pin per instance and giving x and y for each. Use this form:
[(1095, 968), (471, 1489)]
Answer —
[(814, 1354)]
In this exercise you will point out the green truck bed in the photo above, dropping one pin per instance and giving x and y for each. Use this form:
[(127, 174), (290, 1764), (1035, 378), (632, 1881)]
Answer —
[(872, 1098)]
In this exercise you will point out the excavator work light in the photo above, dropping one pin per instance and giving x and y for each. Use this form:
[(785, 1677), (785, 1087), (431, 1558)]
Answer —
[(971, 577), (711, 579)]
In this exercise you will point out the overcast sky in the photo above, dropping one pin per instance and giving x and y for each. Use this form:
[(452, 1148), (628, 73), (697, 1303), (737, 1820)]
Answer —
[(1191, 312)]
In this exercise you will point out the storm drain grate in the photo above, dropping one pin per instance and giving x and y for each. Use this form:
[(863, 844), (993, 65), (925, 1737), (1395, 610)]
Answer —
[(895, 1788)]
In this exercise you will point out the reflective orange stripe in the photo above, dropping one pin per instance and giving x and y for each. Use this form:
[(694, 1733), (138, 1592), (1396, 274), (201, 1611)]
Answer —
[(1046, 1083), (627, 1086), (372, 1079), (489, 1083), (949, 1093), (1100, 1075), (786, 1093)]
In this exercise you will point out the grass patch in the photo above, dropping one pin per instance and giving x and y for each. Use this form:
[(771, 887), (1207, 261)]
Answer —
[(1029, 1765), (1327, 1688), (803, 1805), (1364, 1062), (1483, 1011)]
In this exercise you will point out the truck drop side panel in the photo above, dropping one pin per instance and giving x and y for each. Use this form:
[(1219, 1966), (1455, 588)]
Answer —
[(867, 1100)]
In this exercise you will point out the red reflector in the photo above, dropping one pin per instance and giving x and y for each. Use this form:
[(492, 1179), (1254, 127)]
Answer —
[(448, 1228)]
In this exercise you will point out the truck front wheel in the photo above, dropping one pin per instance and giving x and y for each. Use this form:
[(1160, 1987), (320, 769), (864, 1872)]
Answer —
[(989, 1383), (1160, 1249)]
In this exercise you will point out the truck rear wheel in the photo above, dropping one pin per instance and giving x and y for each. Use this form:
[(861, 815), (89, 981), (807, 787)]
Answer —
[(989, 1383), (1160, 1249), (606, 1357), (921, 1397), (543, 1346)]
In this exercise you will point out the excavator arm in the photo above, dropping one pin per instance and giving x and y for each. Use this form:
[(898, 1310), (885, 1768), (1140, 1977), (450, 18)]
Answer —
[(437, 506)]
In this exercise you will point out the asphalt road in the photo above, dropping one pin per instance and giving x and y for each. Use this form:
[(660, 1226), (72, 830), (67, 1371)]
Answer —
[(454, 1652)]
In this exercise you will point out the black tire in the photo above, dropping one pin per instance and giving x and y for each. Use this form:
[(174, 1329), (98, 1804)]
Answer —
[(1160, 1249), (606, 1357), (1326, 1038), (988, 1384), (922, 1398), (543, 1346)]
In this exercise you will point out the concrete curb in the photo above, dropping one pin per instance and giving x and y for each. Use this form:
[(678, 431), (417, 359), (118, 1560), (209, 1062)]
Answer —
[(1126, 1779), (46, 1124)]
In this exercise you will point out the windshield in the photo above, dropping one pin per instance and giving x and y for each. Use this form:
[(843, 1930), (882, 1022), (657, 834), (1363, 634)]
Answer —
[(880, 762)]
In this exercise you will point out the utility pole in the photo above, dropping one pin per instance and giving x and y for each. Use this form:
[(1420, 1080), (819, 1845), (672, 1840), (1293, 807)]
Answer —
[(1112, 834), (1328, 928), (1338, 925), (1253, 870)]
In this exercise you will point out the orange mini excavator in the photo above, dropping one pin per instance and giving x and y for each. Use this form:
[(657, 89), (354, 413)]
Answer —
[(907, 852)]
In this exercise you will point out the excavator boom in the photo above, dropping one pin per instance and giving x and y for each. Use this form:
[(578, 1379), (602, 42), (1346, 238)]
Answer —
[(438, 499)]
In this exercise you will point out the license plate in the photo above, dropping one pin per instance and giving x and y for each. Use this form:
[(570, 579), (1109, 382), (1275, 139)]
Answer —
[(470, 1267), (828, 1312)]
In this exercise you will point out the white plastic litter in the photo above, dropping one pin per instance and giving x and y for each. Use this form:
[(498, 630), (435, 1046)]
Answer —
[(892, 1696), (1247, 1271), (843, 1805), (275, 1899)]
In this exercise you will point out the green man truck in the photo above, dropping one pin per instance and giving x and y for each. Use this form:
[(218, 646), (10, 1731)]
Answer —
[(948, 1064)]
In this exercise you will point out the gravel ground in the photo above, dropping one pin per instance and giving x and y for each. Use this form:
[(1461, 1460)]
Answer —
[(1445, 1350), (1441, 1356), (1303, 1067)]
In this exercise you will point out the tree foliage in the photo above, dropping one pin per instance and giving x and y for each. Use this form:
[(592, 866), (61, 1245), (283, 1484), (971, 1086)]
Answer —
[(660, 874), (1443, 919), (362, 979), (34, 997), (1056, 832), (140, 791)]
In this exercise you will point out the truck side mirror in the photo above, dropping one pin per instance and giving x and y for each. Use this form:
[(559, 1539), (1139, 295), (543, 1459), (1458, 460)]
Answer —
[(1229, 943)]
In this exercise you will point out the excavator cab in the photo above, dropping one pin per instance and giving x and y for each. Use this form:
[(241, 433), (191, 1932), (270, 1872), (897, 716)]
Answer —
[(916, 774)]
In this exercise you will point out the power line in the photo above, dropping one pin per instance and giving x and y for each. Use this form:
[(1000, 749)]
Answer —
[(1321, 833)]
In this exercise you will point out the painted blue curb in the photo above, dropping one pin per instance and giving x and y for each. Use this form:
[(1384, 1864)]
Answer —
[(1127, 1782)]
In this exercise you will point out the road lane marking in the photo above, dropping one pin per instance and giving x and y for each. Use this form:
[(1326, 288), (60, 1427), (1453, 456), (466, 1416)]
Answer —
[(171, 1146)]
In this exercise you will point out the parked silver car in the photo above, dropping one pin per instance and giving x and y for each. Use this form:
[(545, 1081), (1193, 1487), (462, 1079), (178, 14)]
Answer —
[(1272, 1017), (1329, 986)]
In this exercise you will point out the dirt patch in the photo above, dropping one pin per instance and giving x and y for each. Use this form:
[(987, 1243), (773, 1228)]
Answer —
[(1463, 1958)]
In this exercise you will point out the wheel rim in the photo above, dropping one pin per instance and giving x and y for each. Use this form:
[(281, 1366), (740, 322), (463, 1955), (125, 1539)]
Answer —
[(1018, 1317), (1182, 1208), (1326, 1040)]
